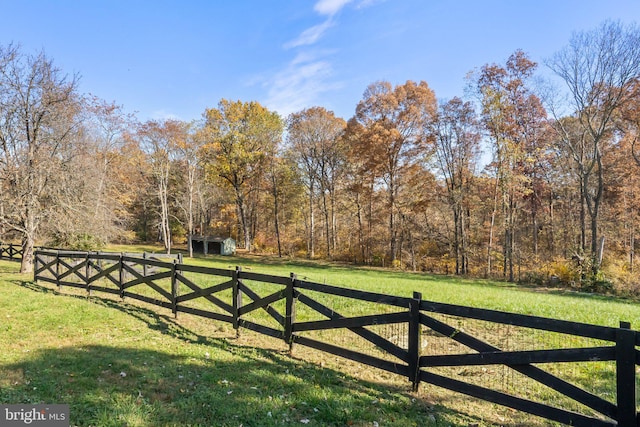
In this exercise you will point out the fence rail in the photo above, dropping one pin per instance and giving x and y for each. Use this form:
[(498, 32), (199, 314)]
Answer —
[(13, 252), (306, 313), (10, 251)]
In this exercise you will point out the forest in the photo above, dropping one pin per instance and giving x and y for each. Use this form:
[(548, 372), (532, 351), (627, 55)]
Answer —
[(522, 178)]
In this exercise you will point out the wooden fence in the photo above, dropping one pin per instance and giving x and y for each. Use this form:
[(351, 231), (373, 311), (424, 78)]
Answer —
[(445, 345), (10, 251), (14, 252)]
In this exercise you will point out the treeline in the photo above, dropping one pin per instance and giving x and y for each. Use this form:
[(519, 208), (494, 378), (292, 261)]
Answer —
[(517, 180)]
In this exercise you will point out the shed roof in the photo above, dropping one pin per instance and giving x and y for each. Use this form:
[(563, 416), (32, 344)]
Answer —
[(210, 238)]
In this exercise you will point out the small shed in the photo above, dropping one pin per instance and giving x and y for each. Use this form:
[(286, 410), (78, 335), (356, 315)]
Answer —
[(213, 245)]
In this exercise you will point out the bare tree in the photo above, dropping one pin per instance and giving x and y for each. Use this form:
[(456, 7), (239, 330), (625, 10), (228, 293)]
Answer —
[(188, 151), (159, 140), (38, 111), (597, 67)]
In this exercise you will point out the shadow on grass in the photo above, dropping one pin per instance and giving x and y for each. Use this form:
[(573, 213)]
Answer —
[(207, 381)]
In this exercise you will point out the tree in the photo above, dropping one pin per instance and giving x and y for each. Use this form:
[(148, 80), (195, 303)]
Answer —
[(513, 116), (188, 151), (360, 190), (280, 183), (240, 137), (598, 68), (392, 131), (314, 139), (629, 127), (160, 139), (38, 117), (457, 141), (105, 165)]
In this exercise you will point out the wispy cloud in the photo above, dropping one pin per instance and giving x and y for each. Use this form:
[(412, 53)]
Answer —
[(310, 35), (300, 84), (330, 7), (310, 74)]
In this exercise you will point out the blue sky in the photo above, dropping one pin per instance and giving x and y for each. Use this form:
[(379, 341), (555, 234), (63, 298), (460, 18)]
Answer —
[(173, 59)]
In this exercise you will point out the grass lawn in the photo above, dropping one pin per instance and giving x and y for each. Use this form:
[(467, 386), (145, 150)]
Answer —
[(553, 303), (130, 364), (119, 364)]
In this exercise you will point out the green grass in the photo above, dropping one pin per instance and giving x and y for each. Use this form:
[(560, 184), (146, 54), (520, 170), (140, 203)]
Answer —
[(181, 372), (558, 304), (118, 364)]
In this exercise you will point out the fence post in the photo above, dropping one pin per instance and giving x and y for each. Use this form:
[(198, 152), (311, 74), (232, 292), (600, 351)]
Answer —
[(237, 300), (87, 271), (414, 344), (626, 375), (58, 271), (144, 264), (35, 266), (121, 276), (290, 312), (174, 289)]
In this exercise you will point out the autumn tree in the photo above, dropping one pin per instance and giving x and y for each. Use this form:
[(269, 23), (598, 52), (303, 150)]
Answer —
[(629, 129), (282, 184), (105, 126), (457, 141), (240, 136), (513, 115), (359, 188), (392, 123), (38, 119), (314, 141), (597, 67)]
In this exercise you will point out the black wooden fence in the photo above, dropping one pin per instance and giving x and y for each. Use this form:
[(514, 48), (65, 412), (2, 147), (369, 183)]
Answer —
[(10, 251), (13, 252), (307, 313)]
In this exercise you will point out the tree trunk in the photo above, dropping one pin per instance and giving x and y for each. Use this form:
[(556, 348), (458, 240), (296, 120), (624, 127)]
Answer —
[(534, 235), (583, 217), (491, 228), (164, 215), (456, 238), (334, 220), (244, 220), (26, 265), (596, 254), (276, 211), (312, 225), (632, 243), (392, 223), (360, 227), (191, 179)]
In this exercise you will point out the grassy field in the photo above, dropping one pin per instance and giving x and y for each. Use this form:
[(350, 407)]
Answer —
[(554, 303), (129, 364)]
